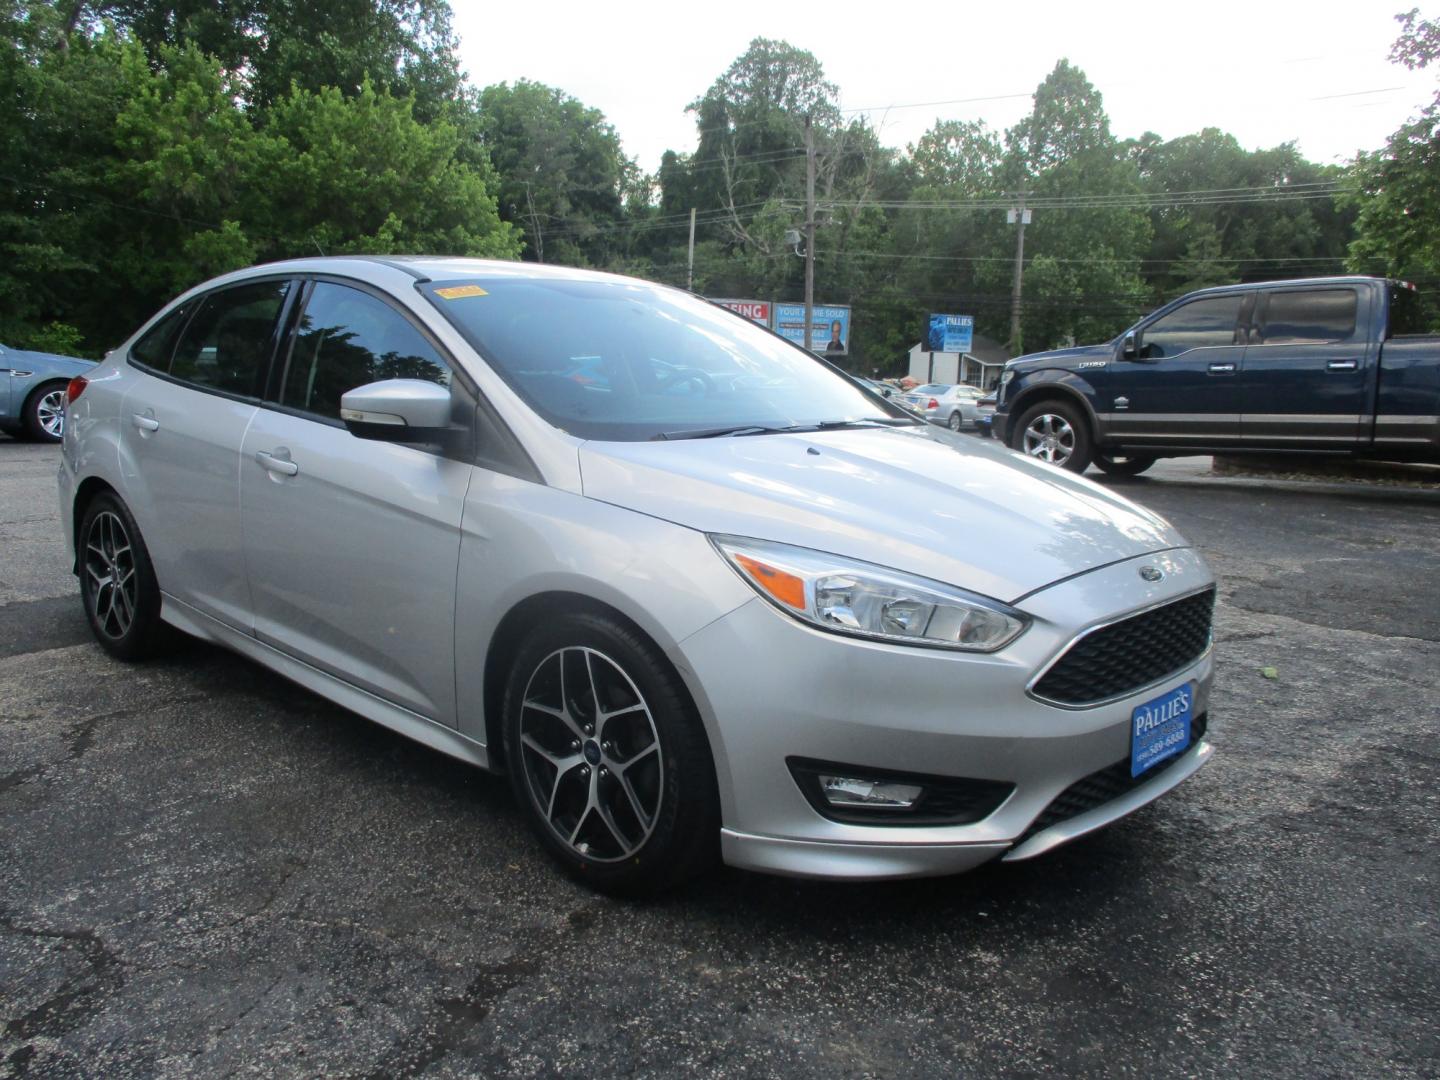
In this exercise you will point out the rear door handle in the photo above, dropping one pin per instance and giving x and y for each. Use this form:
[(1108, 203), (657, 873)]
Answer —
[(145, 423), (1222, 369), (284, 466), (1342, 365)]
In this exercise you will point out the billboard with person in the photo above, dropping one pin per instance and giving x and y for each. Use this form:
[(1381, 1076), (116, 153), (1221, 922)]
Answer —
[(829, 327)]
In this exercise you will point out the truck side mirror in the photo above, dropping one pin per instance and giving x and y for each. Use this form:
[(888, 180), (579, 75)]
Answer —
[(1133, 346)]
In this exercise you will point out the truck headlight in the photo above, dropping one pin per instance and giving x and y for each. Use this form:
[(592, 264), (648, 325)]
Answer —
[(864, 600)]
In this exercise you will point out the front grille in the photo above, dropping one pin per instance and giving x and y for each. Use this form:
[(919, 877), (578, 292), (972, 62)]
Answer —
[(1124, 656), (1100, 787)]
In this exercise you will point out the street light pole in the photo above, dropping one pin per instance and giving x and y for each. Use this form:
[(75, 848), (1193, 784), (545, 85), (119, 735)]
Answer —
[(1020, 216)]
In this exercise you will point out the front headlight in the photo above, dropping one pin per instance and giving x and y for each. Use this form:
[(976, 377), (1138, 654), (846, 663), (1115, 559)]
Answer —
[(864, 600)]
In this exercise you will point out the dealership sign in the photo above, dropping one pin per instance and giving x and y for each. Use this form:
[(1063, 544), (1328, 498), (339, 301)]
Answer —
[(755, 310), (829, 327), (951, 333)]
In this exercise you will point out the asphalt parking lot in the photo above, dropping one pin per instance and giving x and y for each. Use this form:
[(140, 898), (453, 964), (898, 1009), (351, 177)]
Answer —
[(206, 870)]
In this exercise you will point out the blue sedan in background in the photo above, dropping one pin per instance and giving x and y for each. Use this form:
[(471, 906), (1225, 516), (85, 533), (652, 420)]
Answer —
[(32, 392)]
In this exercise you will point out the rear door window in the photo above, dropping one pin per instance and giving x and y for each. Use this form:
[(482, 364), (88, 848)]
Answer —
[(228, 342), (348, 338), (1204, 323), (1310, 317)]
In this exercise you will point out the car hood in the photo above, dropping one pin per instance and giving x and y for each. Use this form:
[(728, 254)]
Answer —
[(1064, 357), (954, 510)]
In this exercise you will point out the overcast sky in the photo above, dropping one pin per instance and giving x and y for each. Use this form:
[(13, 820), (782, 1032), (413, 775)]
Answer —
[(1314, 72)]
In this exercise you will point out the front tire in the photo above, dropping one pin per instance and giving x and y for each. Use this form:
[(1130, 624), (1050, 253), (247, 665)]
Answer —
[(608, 758), (1123, 464), (44, 412), (1054, 432), (117, 581)]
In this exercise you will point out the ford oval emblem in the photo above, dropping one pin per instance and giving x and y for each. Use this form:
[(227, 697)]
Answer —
[(1151, 573)]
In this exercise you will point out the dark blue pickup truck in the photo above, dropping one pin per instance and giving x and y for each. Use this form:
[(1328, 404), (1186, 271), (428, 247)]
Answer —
[(1322, 365)]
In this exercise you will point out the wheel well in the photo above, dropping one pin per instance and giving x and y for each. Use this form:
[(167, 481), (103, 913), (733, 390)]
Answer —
[(505, 645), (41, 388), (1040, 395), (84, 495)]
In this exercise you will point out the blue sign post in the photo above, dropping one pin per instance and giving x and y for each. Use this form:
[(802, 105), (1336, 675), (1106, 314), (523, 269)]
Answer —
[(951, 333)]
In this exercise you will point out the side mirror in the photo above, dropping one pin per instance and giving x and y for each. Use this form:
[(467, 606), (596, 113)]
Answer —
[(1133, 346), (397, 410)]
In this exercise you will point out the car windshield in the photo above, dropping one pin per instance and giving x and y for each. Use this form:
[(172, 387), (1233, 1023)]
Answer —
[(623, 360)]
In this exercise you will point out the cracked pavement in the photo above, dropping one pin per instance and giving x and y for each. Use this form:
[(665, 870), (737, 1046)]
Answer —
[(206, 870)]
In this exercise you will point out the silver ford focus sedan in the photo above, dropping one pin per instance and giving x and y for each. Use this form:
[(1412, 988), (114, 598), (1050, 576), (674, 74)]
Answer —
[(697, 593)]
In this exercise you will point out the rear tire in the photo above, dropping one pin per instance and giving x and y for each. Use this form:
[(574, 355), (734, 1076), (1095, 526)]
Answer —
[(117, 582), (955, 420), (1054, 432), (608, 758), (1123, 464), (44, 412)]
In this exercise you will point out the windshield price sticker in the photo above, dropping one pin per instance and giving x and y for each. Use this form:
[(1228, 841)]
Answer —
[(457, 292)]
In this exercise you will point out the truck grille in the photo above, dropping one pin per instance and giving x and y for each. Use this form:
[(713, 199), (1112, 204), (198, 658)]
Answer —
[(1120, 658), (1108, 783)]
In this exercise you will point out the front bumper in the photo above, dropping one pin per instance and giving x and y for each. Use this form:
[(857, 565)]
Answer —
[(805, 693)]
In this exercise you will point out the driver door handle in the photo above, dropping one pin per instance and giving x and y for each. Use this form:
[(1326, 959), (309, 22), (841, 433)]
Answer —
[(1342, 365), (145, 423), (1222, 369), (284, 466)]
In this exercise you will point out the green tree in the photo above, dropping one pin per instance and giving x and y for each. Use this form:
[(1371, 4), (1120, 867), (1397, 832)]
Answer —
[(407, 47), (563, 175), (132, 174), (1397, 189), (1083, 280)]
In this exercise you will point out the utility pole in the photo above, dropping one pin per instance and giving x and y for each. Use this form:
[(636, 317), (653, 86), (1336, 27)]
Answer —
[(690, 270), (809, 231), (1020, 216)]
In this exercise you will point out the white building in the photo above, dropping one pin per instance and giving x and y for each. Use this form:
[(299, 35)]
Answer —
[(981, 366)]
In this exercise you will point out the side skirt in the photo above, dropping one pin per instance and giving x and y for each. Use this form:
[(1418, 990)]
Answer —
[(410, 724)]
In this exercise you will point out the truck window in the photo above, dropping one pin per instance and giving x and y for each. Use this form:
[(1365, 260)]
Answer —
[(1309, 316), (1407, 314), (1202, 323)]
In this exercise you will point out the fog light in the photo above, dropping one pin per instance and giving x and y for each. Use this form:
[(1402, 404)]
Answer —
[(873, 794)]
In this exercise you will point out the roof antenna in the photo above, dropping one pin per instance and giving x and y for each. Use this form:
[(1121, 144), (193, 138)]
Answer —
[(317, 245)]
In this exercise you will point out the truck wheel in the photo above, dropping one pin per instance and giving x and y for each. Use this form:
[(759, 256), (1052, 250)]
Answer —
[(1123, 464), (1054, 432)]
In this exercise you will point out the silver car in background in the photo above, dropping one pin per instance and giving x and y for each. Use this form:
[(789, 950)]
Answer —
[(699, 595), (955, 406)]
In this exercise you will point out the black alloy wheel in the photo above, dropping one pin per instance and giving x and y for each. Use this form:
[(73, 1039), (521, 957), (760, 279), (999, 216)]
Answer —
[(608, 757)]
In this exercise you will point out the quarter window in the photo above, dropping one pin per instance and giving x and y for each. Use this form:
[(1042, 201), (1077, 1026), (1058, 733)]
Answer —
[(227, 344), (1199, 324), (348, 338), (1310, 317), (158, 345)]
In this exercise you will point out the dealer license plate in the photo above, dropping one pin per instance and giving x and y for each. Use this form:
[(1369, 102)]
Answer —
[(1160, 728)]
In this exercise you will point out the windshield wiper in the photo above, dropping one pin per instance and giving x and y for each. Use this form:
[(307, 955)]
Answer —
[(782, 429), (869, 421), (719, 432)]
